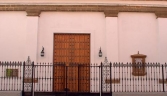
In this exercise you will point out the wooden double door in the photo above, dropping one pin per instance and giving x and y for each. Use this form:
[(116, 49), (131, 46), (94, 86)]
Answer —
[(71, 62)]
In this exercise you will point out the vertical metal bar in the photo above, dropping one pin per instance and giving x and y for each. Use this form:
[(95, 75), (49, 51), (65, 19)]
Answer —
[(57, 77), (156, 76), (32, 79), (114, 66), (137, 84), (153, 77), (53, 78), (146, 76), (133, 65), (110, 80), (40, 71), (37, 76), (5, 81), (150, 78), (16, 80), (131, 68), (13, 80), (66, 78), (8, 84), (127, 78), (106, 74), (96, 76), (126, 86), (45, 75), (93, 79), (119, 75), (20, 66), (2, 76), (101, 79), (23, 78), (155, 85), (163, 78), (51, 68), (78, 78), (152, 74), (145, 70), (122, 76), (141, 79), (159, 75)]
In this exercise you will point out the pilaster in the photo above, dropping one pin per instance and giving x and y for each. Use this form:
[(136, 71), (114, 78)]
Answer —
[(112, 35), (31, 37)]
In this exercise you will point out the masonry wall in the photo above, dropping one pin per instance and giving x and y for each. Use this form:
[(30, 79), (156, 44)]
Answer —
[(71, 22), (141, 32), (138, 32), (12, 36)]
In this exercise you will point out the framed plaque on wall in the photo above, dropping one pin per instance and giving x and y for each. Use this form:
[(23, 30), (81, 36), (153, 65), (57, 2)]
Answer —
[(138, 64)]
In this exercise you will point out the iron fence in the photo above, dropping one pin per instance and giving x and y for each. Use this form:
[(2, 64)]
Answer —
[(11, 76), (83, 78)]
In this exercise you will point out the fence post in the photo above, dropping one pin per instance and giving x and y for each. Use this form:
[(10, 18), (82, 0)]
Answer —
[(101, 80), (32, 79), (66, 80), (163, 78), (78, 78), (23, 78), (110, 79)]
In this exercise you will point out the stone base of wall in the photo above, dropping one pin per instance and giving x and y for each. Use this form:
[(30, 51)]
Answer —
[(10, 93), (19, 93), (139, 93)]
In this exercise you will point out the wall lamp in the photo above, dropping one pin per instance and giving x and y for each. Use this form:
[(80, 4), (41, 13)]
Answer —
[(42, 52), (100, 53)]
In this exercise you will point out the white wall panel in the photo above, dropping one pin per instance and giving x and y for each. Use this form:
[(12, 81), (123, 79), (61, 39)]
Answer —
[(138, 32), (162, 42), (12, 36), (71, 22)]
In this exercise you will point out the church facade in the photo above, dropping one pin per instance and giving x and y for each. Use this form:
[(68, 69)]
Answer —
[(84, 32), (119, 28)]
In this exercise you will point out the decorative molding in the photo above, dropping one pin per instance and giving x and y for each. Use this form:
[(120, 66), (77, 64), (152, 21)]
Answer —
[(161, 81), (113, 81), (33, 12), (161, 14), (138, 55), (109, 11), (29, 80)]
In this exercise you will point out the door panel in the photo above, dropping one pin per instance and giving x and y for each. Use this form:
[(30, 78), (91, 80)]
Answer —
[(74, 51)]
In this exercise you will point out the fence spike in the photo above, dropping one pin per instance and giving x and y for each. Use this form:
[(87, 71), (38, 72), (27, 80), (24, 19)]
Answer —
[(110, 64), (10, 63)]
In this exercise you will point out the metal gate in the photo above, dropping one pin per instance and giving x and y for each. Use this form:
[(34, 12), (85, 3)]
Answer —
[(28, 69)]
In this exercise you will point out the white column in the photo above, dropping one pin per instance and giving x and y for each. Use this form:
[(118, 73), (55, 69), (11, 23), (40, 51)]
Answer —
[(162, 47), (31, 37), (112, 39)]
